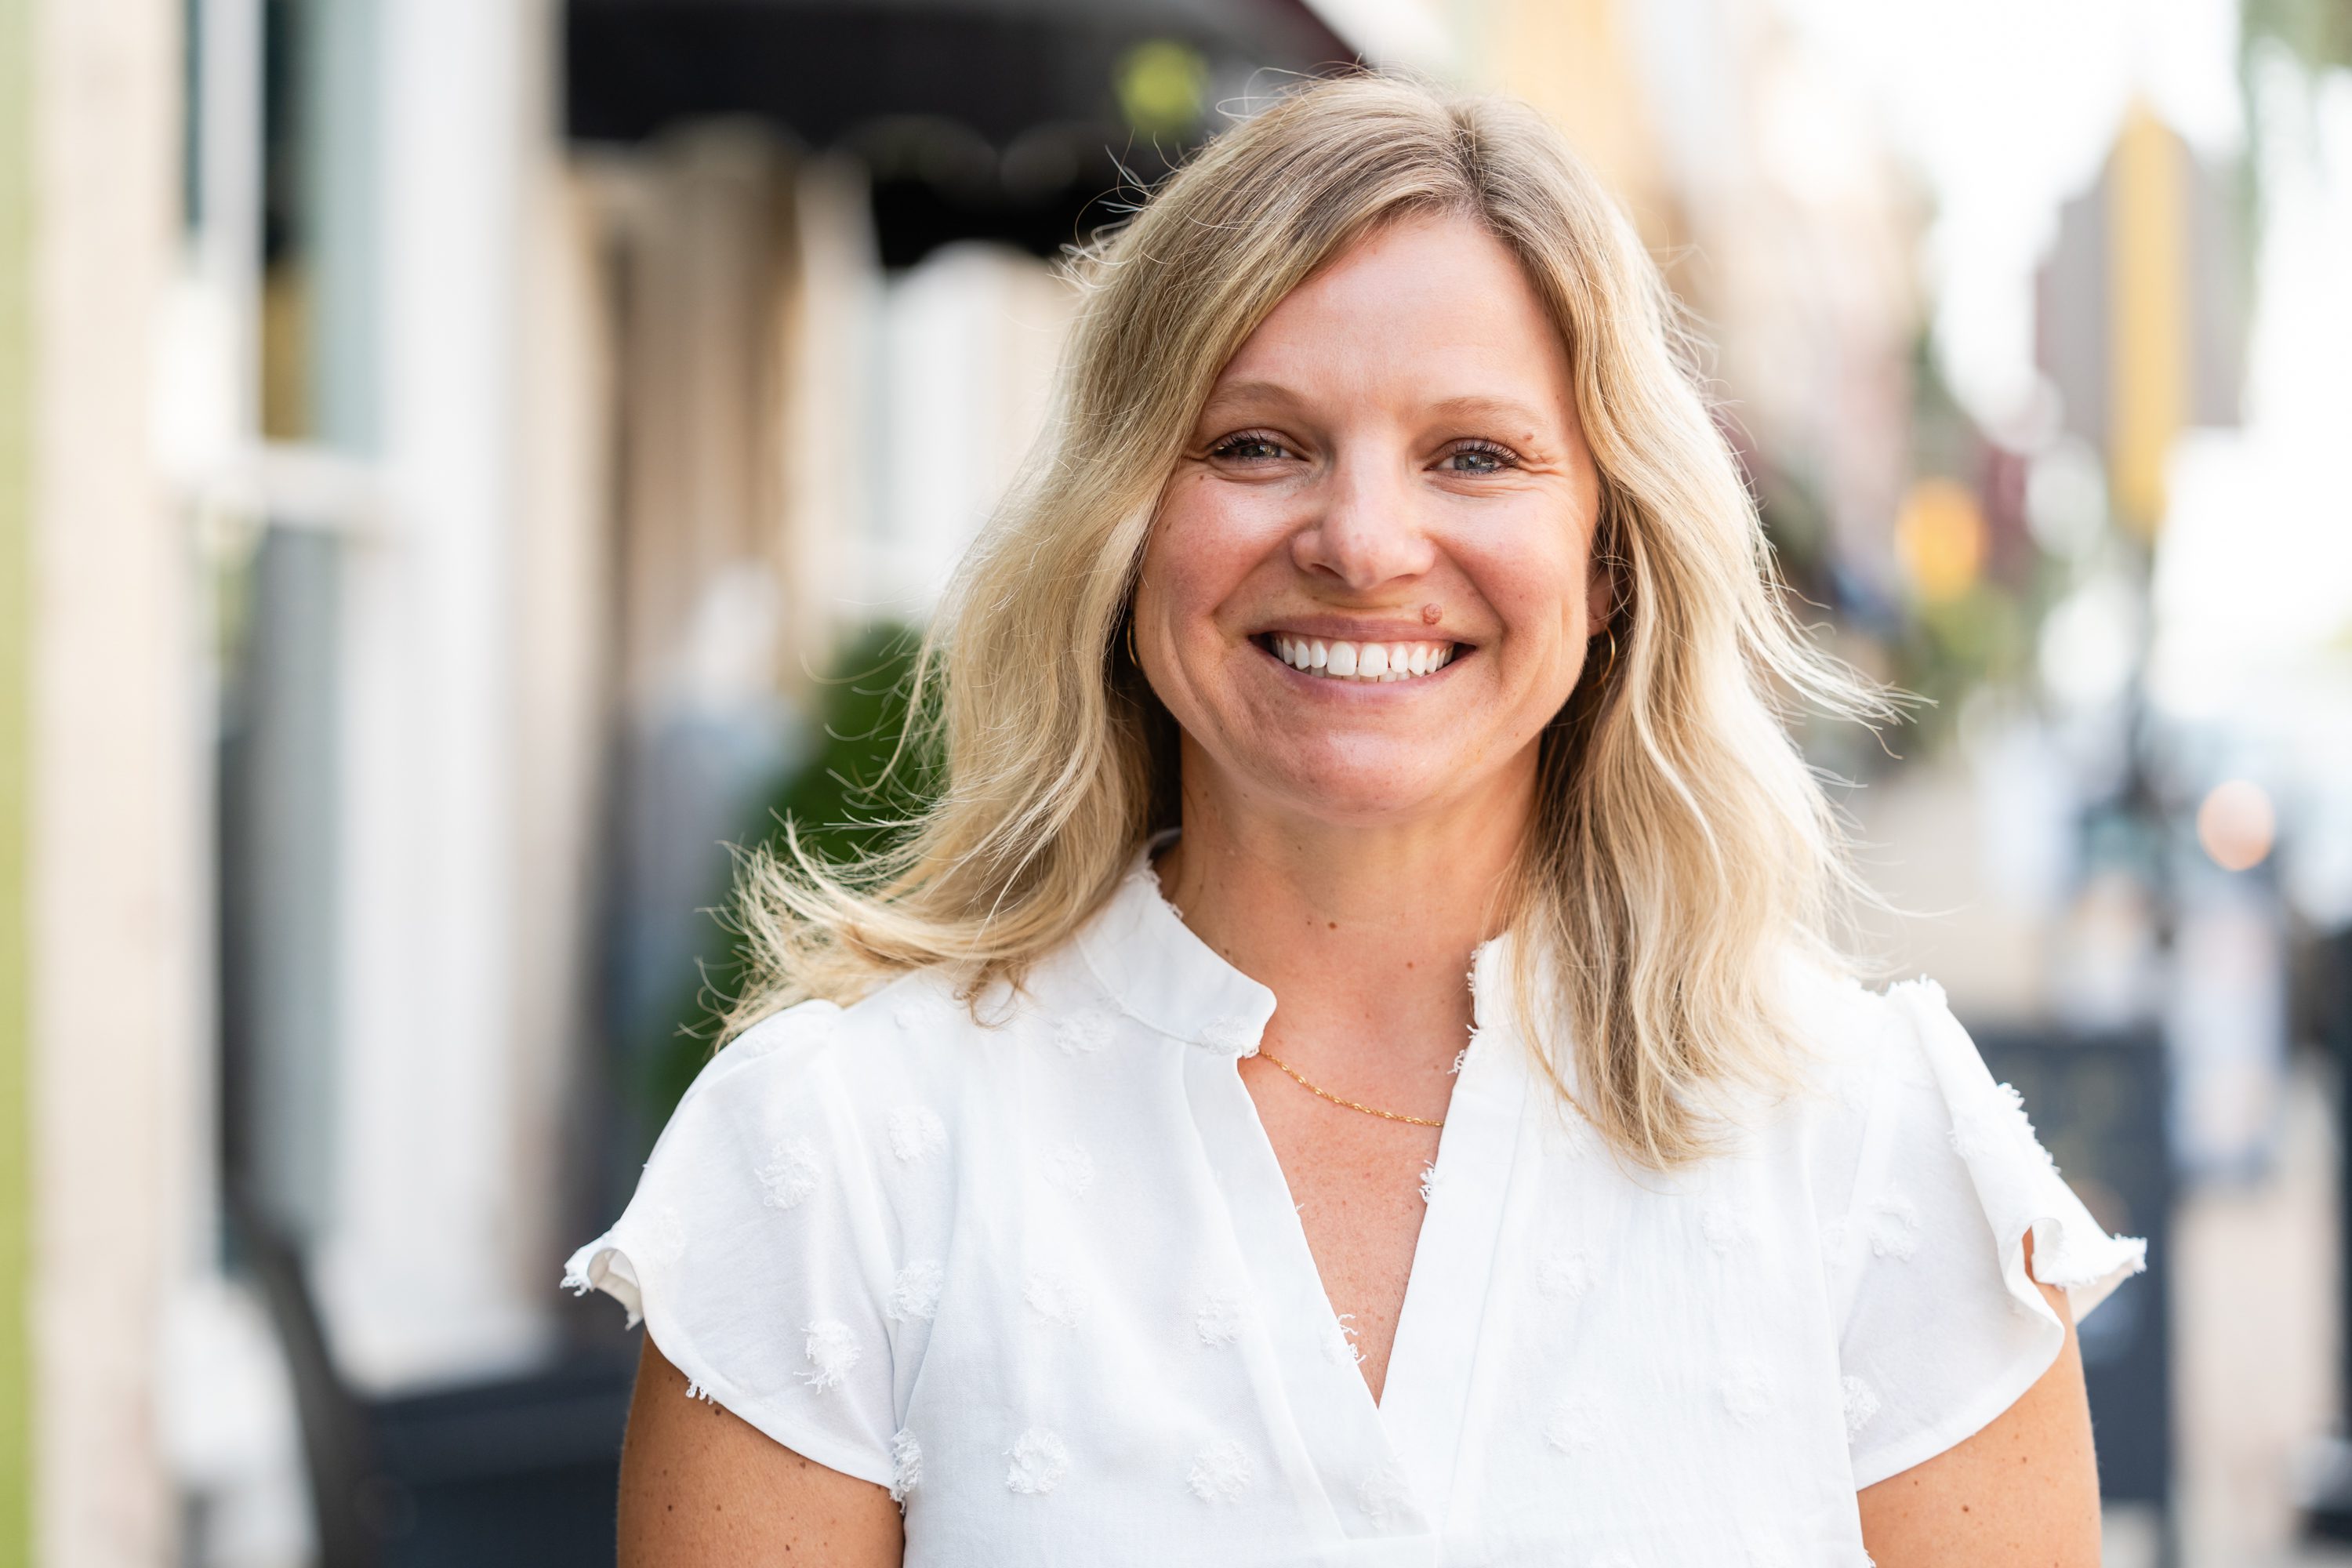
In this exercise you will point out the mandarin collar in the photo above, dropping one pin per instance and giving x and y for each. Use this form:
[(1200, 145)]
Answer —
[(1156, 968), (1161, 972)]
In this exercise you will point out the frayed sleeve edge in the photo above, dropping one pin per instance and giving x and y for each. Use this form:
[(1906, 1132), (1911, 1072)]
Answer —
[(2017, 1185), (604, 1264)]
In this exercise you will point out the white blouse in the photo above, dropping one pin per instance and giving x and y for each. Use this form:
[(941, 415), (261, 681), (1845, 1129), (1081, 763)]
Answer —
[(1043, 1278)]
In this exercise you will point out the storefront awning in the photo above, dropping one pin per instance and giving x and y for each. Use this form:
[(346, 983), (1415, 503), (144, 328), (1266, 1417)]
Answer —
[(996, 119)]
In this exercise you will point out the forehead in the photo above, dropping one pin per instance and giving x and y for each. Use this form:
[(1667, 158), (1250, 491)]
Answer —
[(1428, 309)]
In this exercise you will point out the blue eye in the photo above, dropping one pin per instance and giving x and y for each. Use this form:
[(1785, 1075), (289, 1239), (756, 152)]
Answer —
[(1478, 457), (1248, 448)]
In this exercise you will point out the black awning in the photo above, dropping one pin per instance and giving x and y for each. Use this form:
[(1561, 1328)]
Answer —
[(824, 69), (1011, 119)]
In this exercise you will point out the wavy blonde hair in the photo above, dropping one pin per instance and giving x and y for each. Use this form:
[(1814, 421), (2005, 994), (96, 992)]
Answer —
[(1681, 844)]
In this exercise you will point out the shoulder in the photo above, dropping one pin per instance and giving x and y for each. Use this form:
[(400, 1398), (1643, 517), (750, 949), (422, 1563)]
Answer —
[(1863, 1091), (916, 1022), (1894, 1060), (1850, 1038), (920, 1047), (1899, 1053), (820, 1060)]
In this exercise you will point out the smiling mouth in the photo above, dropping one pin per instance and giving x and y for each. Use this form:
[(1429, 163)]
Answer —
[(1367, 662)]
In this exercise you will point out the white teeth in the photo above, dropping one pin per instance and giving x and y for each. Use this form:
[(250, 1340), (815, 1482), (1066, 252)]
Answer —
[(1361, 661)]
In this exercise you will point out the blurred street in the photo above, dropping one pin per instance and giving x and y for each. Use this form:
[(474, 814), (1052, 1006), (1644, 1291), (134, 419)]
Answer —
[(2260, 1332), (465, 464)]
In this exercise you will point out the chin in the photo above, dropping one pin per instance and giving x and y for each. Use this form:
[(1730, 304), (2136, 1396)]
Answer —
[(1371, 790)]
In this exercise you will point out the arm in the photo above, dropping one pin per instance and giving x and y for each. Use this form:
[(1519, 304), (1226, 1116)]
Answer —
[(2023, 1491), (699, 1487)]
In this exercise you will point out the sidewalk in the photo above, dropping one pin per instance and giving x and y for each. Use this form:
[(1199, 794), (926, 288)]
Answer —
[(2254, 1351)]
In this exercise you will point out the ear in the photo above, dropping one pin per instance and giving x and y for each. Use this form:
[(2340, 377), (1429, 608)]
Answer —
[(1601, 588)]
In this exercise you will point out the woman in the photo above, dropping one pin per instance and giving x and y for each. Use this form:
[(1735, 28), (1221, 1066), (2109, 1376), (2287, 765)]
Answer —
[(1122, 1171)]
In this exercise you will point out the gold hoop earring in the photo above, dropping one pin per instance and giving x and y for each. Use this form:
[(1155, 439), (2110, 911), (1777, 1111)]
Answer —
[(1130, 644), (1610, 668)]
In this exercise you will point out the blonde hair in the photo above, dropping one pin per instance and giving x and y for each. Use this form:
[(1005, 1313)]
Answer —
[(1680, 847)]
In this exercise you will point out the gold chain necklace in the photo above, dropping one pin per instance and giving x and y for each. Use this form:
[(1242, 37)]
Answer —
[(1326, 1094)]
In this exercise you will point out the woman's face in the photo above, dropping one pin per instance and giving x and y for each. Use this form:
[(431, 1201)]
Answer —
[(1370, 580)]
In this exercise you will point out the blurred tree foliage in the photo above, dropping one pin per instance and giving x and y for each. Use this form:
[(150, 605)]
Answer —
[(844, 804), (2318, 35), (1982, 628), (2319, 32)]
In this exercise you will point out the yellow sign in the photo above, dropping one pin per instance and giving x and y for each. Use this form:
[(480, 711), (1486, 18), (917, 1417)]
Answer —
[(1939, 538), (2148, 324)]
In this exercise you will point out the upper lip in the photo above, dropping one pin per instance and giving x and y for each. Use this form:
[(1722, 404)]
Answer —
[(1344, 628)]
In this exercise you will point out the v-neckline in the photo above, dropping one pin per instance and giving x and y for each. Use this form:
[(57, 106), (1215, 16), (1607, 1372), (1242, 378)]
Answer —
[(1424, 1400), (1467, 1107), (1421, 1227), (1383, 1468)]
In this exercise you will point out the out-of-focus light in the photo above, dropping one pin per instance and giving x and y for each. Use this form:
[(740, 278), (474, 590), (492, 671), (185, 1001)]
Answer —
[(2236, 824), (1164, 88), (2088, 644), (1939, 537), (2067, 499)]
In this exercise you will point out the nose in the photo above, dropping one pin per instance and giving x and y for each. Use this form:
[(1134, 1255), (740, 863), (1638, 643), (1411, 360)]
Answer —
[(1367, 534)]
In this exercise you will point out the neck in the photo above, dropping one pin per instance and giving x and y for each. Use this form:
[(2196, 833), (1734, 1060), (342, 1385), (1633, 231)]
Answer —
[(1364, 932)]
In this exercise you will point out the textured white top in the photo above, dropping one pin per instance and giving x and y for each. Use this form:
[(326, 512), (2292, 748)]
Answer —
[(1045, 1280)]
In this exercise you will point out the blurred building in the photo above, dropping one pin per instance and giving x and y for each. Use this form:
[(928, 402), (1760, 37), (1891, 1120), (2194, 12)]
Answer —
[(442, 444)]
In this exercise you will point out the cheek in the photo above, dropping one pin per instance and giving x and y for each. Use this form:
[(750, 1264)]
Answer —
[(1535, 583), (1203, 549)]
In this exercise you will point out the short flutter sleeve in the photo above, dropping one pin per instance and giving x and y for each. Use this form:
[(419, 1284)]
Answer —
[(1942, 1330), (751, 1246)]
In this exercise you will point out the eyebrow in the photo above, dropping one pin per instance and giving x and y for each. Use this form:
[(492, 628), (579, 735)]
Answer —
[(1468, 405), (1245, 391), (1472, 406)]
